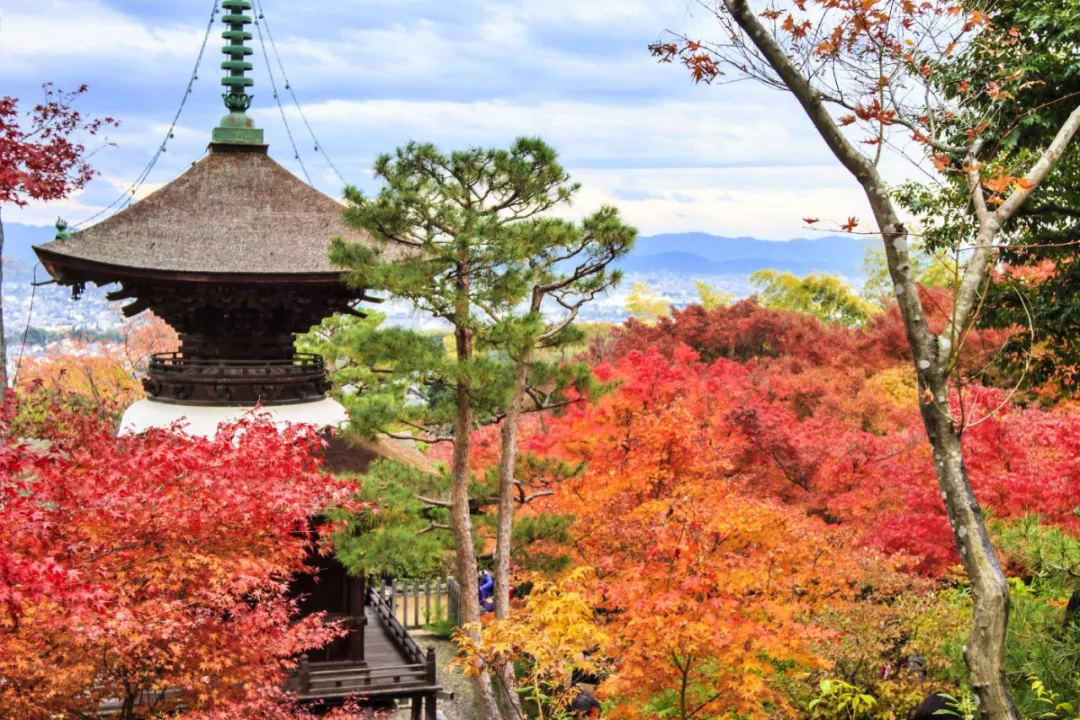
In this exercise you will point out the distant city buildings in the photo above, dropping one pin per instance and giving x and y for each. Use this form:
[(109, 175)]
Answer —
[(56, 314)]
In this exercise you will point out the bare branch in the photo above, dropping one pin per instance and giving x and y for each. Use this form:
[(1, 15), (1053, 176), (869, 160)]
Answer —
[(435, 503), (989, 227)]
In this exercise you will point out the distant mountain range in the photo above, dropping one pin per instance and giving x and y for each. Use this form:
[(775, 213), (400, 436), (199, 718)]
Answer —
[(18, 240), (701, 254), (692, 254)]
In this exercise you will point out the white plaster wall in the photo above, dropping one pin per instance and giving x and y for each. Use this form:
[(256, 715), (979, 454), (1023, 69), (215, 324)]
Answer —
[(204, 421)]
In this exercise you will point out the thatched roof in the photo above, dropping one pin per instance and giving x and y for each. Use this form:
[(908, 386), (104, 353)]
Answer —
[(235, 212)]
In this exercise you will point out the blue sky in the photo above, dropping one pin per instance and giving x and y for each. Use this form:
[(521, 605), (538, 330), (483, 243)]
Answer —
[(373, 74)]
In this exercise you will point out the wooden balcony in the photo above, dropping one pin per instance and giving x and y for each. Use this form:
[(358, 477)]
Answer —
[(176, 378), (383, 663)]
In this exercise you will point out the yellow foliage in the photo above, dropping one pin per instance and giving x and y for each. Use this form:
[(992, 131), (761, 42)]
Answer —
[(896, 385), (645, 304), (712, 297), (550, 636), (821, 295)]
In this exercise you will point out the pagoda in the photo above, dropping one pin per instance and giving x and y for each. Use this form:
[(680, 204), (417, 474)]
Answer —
[(234, 255)]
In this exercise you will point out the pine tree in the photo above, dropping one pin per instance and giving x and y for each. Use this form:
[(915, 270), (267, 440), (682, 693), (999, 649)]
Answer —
[(466, 237)]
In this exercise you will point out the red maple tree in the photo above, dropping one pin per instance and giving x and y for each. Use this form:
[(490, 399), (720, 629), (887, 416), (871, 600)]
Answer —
[(152, 571), (42, 158)]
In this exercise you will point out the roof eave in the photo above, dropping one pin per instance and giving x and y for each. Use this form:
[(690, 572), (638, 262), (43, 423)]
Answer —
[(71, 270)]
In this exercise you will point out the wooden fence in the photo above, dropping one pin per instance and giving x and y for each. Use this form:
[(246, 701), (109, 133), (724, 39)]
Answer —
[(416, 603)]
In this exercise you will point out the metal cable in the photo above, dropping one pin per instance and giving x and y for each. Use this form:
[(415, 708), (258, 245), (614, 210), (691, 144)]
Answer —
[(277, 99), (26, 332), (288, 86), (131, 192)]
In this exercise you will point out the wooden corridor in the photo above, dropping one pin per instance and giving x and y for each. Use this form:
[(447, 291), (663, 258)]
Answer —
[(382, 663), (376, 664)]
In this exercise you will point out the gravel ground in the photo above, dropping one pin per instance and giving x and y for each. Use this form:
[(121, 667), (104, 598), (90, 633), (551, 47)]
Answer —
[(461, 707)]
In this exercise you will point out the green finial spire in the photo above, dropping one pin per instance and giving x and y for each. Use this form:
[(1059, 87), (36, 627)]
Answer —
[(237, 127)]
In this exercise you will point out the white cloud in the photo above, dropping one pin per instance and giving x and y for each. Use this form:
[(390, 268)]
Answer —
[(587, 134), (592, 12), (34, 36), (732, 160), (762, 202)]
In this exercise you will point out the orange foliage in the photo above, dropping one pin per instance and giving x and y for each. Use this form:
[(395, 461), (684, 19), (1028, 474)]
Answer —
[(106, 373), (709, 589), (758, 504)]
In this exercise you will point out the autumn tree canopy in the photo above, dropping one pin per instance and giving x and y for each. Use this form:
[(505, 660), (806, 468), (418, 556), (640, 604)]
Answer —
[(870, 75), (42, 157), (153, 570), (733, 561)]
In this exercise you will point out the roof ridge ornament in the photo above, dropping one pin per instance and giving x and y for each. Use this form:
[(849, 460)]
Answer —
[(237, 128), (62, 231)]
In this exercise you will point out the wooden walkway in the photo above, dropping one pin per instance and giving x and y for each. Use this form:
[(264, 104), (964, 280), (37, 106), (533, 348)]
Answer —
[(385, 664)]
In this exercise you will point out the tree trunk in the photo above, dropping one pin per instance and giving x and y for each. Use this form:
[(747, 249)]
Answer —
[(503, 544), (507, 460), (985, 650), (3, 342), (461, 524)]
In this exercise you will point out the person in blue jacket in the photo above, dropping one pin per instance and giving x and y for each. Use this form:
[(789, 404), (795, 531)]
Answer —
[(487, 591)]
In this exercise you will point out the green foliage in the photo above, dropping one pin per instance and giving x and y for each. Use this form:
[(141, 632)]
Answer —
[(1053, 707), (438, 622), (962, 707), (1039, 643), (391, 540), (931, 269), (1039, 43), (839, 700), (464, 237), (382, 375), (823, 296), (1039, 646)]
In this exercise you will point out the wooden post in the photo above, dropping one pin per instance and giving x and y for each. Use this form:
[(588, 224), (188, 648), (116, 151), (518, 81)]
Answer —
[(451, 609), (393, 597), (427, 600), (304, 676), (357, 627), (417, 707), (431, 676), (416, 604), (354, 605), (432, 712)]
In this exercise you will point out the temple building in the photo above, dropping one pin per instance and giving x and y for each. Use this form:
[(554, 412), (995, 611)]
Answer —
[(234, 255)]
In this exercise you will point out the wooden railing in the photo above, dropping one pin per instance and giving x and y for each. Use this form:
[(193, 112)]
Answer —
[(417, 603), (334, 679), (398, 634), (176, 378), (328, 681)]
